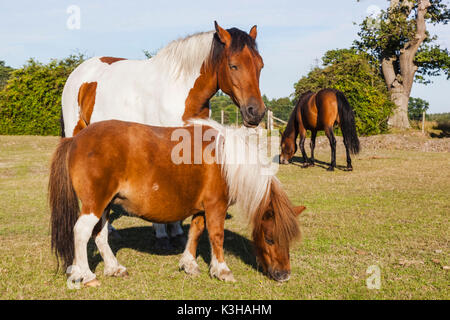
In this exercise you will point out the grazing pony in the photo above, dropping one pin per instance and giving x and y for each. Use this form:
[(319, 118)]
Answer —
[(320, 111), (170, 88), (138, 167)]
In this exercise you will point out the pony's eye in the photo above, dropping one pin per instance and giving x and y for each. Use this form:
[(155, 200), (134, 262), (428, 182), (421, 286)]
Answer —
[(269, 241), (233, 67)]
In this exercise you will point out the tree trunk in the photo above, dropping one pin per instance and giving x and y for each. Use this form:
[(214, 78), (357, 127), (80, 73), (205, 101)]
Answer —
[(399, 85), (400, 117)]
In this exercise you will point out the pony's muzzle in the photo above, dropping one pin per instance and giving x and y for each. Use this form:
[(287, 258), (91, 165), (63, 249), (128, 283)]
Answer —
[(253, 114), (283, 160), (281, 275)]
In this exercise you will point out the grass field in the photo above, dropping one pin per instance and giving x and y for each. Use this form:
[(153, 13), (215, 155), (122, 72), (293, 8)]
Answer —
[(392, 211)]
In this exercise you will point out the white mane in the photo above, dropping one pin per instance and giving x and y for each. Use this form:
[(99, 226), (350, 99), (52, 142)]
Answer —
[(185, 56), (248, 181)]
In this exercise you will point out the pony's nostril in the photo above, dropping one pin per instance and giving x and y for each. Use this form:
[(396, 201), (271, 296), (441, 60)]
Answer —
[(251, 111), (281, 275)]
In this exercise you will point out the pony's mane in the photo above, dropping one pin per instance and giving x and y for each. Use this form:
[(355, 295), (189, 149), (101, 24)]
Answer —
[(248, 183), (185, 56), (286, 227), (249, 186)]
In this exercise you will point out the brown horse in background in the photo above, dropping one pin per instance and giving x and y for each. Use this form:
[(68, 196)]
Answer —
[(138, 167), (320, 111)]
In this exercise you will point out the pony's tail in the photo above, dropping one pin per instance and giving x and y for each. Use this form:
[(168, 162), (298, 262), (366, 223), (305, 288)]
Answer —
[(347, 123), (63, 203)]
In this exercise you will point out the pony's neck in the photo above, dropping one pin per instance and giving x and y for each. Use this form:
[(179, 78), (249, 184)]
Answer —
[(197, 101), (291, 131), (184, 62)]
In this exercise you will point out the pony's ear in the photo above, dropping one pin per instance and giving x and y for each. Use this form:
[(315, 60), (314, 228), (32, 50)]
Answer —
[(253, 32), (224, 35), (299, 210)]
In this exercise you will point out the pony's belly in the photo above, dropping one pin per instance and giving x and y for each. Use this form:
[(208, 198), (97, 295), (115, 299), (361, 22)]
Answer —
[(156, 213)]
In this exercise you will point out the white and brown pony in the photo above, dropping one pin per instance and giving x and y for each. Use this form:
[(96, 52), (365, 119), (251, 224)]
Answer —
[(168, 89), (136, 166)]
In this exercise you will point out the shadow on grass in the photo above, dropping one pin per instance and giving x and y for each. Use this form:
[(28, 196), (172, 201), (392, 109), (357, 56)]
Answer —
[(299, 161), (143, 238), (444, 128)]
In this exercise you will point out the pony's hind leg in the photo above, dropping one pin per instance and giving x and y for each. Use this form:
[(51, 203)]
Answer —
[(177, 238), (332, 139), (188, 263), (112, 266), (162, 239), (79, 271), (349, 160), (313, 145), (215, 221)]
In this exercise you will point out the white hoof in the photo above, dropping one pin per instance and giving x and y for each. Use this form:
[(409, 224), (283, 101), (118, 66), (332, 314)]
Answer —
[(76, 275), (188, 264), (221, 272), (117, 271)]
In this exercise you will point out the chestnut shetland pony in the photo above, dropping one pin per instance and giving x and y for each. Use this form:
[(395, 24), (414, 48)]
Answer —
[(130, 164), (320, 111), (170, 88)]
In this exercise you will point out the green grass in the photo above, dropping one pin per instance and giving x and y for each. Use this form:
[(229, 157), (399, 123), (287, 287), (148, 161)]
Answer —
[(391, 211)]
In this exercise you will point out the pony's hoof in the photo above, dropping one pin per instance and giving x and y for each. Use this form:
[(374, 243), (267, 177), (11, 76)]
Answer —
[(163, 244), (121, 274), (93, 283), (191, 269), (178, 241), (330, 169), (226, 276), (349, 169), (188, 264)]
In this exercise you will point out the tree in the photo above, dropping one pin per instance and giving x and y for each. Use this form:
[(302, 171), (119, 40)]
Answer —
[(31, 103), (416, 108), (357, 75), (5, 72), (281, 107), (398, 38)]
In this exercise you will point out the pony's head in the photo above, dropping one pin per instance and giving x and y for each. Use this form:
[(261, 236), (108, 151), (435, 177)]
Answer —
[(275, 225), (288, 148), (238, 65)]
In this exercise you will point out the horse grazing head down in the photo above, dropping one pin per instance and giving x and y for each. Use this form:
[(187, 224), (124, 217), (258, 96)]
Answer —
[(238, 64), (274, 227)]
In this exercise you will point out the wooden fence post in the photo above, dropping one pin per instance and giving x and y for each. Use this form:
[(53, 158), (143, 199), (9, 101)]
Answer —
[(423, 122)]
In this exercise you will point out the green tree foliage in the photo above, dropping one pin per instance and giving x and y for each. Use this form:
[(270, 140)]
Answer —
[(223, 102), (416, 107), (358, 77), (31, 101), (281, 107), (407, 53), (5, 72), (394, 29)]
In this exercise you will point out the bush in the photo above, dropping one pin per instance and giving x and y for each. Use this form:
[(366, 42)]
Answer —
[(30, 103), (358, 77)]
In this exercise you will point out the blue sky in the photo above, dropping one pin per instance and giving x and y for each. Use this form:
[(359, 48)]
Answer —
[(292, 35)]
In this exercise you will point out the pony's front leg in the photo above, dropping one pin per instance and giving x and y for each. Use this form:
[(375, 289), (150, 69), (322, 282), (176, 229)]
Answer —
[(112, 266), (79, 271), (188, 263), (306, 161), (215, 221)]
